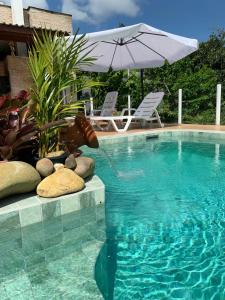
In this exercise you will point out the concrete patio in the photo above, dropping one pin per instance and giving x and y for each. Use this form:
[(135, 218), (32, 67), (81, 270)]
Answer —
[(167, 127)]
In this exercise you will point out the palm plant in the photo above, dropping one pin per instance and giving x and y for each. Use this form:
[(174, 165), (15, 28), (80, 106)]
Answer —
[(55, 68)]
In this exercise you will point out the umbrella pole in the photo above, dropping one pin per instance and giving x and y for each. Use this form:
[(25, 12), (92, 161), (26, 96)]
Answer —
[(128, 100)]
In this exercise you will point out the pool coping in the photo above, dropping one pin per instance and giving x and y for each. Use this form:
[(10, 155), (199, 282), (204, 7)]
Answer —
[(203, 135), (31, 207), (159, 131)]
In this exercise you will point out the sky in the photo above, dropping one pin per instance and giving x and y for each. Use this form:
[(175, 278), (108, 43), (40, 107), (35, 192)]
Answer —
[(190, 18)]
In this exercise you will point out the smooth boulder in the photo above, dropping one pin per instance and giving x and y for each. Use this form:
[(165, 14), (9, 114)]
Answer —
[(58, 166), (85, 166), (17, 177), (70, 162), (63, 181), (45, 167)]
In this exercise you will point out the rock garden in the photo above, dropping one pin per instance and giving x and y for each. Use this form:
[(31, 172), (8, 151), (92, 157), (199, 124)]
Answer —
[(41, 130)]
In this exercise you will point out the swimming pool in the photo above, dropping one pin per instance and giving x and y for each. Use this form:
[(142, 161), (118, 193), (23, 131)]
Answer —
[(165, 208)]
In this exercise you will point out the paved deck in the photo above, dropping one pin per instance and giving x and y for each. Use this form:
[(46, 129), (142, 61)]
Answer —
[(167, 127)]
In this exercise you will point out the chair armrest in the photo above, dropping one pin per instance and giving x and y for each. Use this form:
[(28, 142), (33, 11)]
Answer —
[(127, 110), (95, 112)]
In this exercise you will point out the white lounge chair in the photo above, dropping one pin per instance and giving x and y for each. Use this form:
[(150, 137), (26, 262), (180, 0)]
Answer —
[(107, 109), (108, 106), (146, 111)]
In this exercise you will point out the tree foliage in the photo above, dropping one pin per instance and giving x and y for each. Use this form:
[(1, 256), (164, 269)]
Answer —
[(198, 74)]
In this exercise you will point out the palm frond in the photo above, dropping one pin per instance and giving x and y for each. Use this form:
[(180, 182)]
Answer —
[(55, 63)]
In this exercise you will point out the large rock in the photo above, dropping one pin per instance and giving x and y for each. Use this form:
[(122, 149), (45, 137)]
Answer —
[(63, 181), (85, 166), (17, 177), (58, 166), (70, 162), (45, 167)]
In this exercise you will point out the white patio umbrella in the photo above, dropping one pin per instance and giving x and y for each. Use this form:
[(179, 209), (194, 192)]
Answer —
[(136, 47)]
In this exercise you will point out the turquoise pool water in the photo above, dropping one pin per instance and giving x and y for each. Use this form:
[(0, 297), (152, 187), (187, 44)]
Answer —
[(165, 209)]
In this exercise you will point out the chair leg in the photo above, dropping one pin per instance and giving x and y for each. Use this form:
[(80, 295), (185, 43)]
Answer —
[(98, 126), (158, 119), (143, 123), (108, 126), (122, 129)]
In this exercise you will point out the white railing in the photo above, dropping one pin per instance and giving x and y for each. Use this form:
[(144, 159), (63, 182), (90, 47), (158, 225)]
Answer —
[(218, 104), (180, 107)]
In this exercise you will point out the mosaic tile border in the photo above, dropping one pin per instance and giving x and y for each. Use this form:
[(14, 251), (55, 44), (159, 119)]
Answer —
[(24, 210), (209, 135), (40, 237)]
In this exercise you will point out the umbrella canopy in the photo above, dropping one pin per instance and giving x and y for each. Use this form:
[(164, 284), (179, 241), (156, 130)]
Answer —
[(136, 47)]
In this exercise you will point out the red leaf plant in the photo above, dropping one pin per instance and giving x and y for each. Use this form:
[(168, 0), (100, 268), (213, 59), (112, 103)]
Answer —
[(16, 133)]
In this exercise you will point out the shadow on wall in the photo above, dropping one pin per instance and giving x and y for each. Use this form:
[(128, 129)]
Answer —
[(105, 269)]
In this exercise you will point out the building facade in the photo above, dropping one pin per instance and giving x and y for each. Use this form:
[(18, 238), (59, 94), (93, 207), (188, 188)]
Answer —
[(15, 38)]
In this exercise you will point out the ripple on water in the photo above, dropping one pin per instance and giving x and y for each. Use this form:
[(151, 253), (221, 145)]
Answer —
[(165, 213)]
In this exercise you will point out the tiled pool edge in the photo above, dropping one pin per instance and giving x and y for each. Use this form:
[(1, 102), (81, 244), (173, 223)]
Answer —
[(129, 137), (73, 223), (31, 208)]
